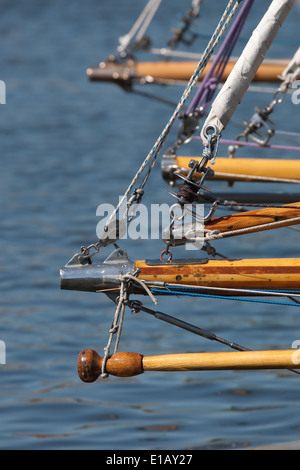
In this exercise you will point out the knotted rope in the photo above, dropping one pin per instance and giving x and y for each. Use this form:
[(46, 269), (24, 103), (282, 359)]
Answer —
[(117, 324)]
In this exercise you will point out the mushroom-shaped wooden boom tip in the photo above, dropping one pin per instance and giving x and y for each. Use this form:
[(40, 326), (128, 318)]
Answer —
[(122, 364), (89, 365)]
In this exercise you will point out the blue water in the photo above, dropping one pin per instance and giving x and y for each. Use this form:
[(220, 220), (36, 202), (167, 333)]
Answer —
[(68, 145)]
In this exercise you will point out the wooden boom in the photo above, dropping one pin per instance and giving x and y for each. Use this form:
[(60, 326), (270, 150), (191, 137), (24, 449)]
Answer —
[(280, 274), (256, 221), (161, 71), (128, 364), (268, 72), (259, 274), (246, 169)]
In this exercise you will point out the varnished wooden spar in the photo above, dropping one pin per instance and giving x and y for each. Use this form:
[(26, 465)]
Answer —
[(256, 221), (268, 72), (246, 169), (268, 274), (128, 364), (161, 71), (246, 274)]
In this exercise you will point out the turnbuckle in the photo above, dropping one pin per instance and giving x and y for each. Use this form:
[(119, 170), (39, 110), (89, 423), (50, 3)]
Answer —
[(189, 190)]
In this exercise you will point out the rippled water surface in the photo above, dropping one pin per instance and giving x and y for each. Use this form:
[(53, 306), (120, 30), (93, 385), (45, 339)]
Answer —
[(68, 145)]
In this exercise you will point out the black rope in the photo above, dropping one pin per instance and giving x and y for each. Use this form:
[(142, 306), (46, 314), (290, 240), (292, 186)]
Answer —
[(136, 306), (188, 193), (245, 204)]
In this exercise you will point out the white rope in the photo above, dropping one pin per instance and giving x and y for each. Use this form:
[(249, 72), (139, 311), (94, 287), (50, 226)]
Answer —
[(235, 290), (216, 234), (118, 319), (256, 178), (173, 53), (148, 20), (115, 328), (129, 276), (196, 4), (220, 30), (141, 24)]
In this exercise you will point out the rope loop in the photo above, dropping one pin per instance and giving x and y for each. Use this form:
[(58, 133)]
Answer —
[(117, 324)]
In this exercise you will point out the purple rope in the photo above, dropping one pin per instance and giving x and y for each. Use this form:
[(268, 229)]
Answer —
[(253, 144), (213, 77)]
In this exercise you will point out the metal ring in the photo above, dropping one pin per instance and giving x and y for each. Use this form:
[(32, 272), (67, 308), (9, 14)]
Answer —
[(210, 127), (166, 252)]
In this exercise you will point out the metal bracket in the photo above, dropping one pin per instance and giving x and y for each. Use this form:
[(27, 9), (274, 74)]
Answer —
[(190, 124), (177, 262), (118, 256), (96, 277)]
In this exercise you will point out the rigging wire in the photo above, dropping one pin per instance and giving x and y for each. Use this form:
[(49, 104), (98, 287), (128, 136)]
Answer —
[(202, 100), (135, 39), (151, 158), (254, 144), (139, 28), (261, 117), (227, 16), (136, 197), (223, 297), (137, 306), (185, 23)]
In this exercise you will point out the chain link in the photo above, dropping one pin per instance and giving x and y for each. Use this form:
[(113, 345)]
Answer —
[(261, 117)]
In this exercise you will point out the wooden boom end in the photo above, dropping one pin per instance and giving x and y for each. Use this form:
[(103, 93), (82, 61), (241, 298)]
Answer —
[(128, 364), (122, 364)]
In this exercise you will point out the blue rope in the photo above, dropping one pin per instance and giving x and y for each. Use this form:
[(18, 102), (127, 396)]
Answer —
[(252, 290), (197, 294)]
